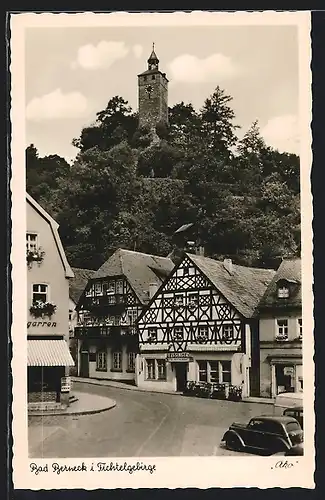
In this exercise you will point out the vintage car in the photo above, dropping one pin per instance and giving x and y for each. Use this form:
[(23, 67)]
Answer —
[(267, 434), (296, 412)]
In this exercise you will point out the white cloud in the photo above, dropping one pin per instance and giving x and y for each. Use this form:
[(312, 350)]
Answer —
[(282, 133), (137, 50), (190, 69), (57, 105), (102, 55)]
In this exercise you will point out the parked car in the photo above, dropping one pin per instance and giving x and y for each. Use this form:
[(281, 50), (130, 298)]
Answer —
[(296, 412), (287, 400), (268, 434)]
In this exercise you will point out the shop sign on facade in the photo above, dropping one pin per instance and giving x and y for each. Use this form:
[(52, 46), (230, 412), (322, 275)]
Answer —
[(179, 357), (65, 384), (288, 370)]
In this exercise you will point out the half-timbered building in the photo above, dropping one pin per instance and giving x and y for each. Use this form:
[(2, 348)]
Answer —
[(108, 309), (281, 330), (199, 326)]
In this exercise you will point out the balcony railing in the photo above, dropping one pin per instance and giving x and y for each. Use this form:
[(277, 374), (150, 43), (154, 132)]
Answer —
[(103, 331)]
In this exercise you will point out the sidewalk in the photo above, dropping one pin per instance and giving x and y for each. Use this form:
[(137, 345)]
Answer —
[(129, 387), (85, 404)]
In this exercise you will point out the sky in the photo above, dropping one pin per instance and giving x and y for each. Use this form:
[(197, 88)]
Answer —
[(72, 72)]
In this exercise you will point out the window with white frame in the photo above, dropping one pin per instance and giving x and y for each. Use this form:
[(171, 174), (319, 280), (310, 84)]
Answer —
[(203, 332), (179, 299), (161, 369), (119, 286), (132, 315), (203, 371), (185, 270), (300, 328), (117, 360), (225, 371), (192, 299), (227, 332), (152, 334), (111, 287), (282, 329), (98, 289), (104, 285), (214, 371), (40, 293), (283, 292), (117, 320), (31, 242), (131, 361), (178, 333), (151, 369), (101, 361), (111, 299)]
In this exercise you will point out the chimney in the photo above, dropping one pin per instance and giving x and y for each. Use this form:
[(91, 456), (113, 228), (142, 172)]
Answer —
[(200, 251), (227, 263), (153, 287)]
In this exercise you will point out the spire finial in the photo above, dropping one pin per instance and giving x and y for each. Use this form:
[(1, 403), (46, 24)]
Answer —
[(153, 45)]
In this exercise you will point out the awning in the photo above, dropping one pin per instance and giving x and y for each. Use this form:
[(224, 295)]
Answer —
[(48, 353)]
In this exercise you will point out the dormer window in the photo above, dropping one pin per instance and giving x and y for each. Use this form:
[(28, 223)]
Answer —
[(283, 292)]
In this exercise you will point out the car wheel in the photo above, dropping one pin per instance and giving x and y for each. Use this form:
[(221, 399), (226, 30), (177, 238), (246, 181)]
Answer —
[(233, 443)]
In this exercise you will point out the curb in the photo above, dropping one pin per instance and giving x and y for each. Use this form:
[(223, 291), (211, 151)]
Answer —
[(131, 388), (136, 389), (72, 413)]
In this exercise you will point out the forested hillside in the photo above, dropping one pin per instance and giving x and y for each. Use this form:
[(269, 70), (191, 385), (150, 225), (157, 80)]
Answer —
[(130, 189)]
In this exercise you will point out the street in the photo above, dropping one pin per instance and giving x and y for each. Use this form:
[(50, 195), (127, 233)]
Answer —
[(141, 425)]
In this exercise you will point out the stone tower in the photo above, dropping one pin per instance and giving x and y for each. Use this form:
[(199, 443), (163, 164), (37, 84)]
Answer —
[(153, 94)]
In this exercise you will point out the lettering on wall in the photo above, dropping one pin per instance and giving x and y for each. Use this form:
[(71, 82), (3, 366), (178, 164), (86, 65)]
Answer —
[(51, 324)]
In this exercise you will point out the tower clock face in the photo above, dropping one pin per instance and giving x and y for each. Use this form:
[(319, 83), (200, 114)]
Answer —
[(149, 89)]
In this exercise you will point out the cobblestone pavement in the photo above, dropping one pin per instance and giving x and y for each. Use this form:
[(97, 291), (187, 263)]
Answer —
[(141, 425)]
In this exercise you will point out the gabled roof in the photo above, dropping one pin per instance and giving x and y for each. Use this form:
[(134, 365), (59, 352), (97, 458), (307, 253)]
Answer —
[(243, 287), (79, 282), (290, 271), (140, 269), (54, 227)]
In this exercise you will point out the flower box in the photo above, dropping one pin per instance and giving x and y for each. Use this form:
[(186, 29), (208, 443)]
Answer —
[(41, 309), (34, 256), (235, 393), (281, 338), (219, 391)]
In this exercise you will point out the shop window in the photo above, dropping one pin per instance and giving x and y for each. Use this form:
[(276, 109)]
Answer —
[(214, 371), (225, 371), (31, 242), (152, 334), (285, 376), (178, 333), (131, 361), (101, 361), (40, 293), (227, 332), (282, 329), (151, 369), (203, 371), (117, 361), (161, 369), (203, 332)]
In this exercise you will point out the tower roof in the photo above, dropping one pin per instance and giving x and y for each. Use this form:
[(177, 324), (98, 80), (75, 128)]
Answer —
[(153, 59)]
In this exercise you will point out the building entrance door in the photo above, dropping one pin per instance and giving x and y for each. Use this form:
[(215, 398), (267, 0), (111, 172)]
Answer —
[(84, 364), (181, 376)]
